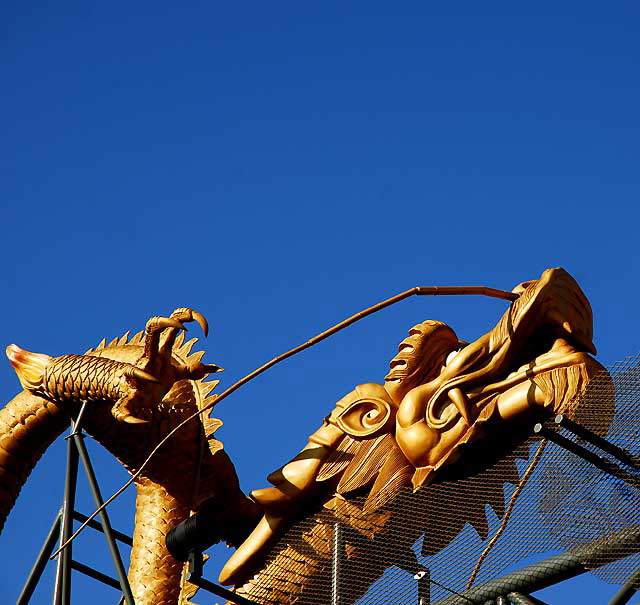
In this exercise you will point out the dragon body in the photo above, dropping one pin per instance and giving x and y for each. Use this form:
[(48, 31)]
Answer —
[(447, 422), (166, 489)]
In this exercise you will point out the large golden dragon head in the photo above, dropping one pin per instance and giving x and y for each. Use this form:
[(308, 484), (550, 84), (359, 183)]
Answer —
[(446, 408)]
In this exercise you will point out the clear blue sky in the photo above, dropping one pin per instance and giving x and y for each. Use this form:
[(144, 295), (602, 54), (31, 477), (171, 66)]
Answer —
[(279, 166)]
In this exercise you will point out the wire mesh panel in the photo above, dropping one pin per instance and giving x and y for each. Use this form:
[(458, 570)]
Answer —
[(473, 524)]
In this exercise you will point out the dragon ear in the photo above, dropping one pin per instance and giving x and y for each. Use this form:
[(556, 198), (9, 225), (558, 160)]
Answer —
[(364, 417)]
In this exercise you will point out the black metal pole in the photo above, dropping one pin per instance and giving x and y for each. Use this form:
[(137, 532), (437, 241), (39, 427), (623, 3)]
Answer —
[(556, 569), (104, 518), (194, 576), (43, 558), (62, 592), (95, 574), (618, 453), (220, 591), (598, 461), (523, 599), (118, 535), (628, 589)]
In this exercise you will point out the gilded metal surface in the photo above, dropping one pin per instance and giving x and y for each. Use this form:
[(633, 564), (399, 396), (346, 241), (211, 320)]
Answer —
[(446, 409)]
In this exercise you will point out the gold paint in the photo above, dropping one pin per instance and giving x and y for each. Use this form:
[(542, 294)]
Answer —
[(439, 395)]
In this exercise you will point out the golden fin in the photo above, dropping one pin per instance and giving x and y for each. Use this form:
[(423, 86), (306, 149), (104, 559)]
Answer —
[(197, 356), (366, 464), (137, 338), (338, 459), (179, 340), (206, 387), (394, 475), (185, 349)]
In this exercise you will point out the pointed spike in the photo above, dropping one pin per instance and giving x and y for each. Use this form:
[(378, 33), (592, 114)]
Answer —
[(102, 344), (137, 338), (179, 340), (113, 343), (197, 356), (124, 339), (496, 502), (204, 388), (510, 473), (187, 346), (211, 425), (207, 387), (480, 523)]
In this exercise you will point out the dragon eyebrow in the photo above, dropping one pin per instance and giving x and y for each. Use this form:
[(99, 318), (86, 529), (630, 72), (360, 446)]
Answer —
[(418, 290)]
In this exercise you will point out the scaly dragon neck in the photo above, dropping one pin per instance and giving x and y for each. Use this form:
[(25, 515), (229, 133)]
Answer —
[(28, 426)]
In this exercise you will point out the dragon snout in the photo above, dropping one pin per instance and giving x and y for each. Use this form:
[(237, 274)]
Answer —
[(30, 367)]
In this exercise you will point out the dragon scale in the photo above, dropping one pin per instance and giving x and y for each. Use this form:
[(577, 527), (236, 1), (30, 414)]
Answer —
[(28, 426)]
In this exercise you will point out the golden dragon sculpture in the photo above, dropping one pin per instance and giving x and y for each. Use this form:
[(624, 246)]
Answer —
[(430, 426), (137, 390)]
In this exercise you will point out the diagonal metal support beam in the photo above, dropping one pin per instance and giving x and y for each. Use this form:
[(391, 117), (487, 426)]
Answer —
[(78, 440), (62, 591), (194, 575), (620, 454), (41, 562), (628, 589), (63, 526), (600, 462)]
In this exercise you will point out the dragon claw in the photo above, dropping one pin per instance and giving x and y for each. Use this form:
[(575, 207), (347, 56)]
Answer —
[(187, 314), (161, 335)]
